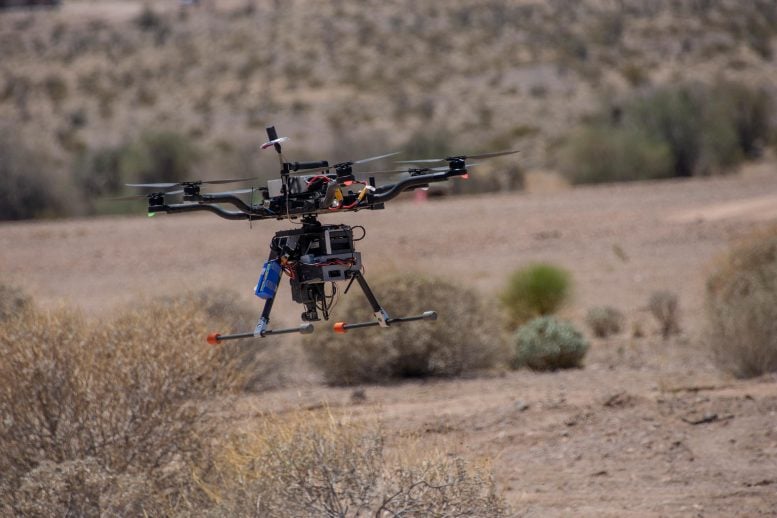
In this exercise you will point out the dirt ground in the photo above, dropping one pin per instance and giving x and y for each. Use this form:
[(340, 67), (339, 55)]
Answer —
[(647, 428)]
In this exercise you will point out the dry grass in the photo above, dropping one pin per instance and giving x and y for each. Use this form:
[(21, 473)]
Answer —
[(741, 298), (665, 308), (87, 407), (309, 464)]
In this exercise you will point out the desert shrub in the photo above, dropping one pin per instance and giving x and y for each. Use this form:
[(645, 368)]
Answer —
[(28, 189), (547, 343), (13, 301), (115, 402), (98, 172), (537, 289), (458, 342), (604, 154), (664, 307), (158, 156), (673, 130), (741, 307), (309, 465), (604, 321)]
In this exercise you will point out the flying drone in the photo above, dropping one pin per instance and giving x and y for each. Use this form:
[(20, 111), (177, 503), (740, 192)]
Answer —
[(313, 255)]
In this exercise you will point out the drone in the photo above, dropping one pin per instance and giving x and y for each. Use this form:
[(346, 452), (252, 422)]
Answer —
[(313, 255)]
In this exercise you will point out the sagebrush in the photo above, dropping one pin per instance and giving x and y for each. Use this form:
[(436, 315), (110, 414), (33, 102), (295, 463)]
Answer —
[(459, 341), (741, 307), (547, 343)]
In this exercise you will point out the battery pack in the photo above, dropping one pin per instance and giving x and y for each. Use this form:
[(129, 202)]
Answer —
[(268, 280)]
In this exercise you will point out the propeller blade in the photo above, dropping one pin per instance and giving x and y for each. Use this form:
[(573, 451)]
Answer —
[(490, 155), (461, 157), (271, 143), (231, 180), (370, 159), (141, 196), (169, 185), (225, 193), (153, 185), (423, 161)]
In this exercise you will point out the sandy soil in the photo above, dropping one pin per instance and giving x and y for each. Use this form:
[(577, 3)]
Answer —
[(647, 428)]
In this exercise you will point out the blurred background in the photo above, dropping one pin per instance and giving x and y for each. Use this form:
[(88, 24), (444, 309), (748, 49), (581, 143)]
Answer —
[(94, 94)]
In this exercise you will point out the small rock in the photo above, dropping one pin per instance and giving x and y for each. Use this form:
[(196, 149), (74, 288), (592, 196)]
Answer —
[(521, 405)]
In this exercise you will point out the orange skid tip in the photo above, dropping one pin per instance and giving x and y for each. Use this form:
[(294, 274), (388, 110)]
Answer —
[(213, 339), (339, 327), (465, 176)]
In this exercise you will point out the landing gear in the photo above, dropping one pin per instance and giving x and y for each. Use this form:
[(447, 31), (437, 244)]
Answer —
[(312, 257)]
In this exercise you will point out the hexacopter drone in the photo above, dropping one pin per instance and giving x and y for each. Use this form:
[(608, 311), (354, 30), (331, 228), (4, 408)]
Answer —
[(315, 254)]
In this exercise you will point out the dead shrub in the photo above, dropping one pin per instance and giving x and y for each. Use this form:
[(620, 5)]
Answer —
[(459, 341), (664, 307), (314, 465), (261, 368), (741, 307), (121, 395), (604, 321)]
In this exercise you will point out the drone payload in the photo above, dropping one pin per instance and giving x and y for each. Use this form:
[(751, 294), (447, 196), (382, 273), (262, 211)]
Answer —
[(314, 255)]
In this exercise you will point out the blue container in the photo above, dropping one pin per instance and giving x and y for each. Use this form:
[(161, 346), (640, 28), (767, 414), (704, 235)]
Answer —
[(269, 280)]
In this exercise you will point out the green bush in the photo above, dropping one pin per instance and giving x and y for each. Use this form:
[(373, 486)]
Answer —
[(538, 289), (604, 321), (605, 154), (158, 156), (459, 341), (673, 130), (547, 343), (741, 307)]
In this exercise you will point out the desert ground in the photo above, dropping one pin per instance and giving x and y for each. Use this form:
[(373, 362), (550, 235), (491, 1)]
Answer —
[(647, 428)]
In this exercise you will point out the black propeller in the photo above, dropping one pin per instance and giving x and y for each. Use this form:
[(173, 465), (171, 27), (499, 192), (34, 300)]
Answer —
[(412, 171), (347, 164), (170, 185), (148, 196), (459, 157)]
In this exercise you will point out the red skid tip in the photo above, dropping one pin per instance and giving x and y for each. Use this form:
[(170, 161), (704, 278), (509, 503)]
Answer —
[(339, 327), (213, 339), (465, 176)]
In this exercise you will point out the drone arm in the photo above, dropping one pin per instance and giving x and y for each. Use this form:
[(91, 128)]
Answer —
[(391, 191), (191, 207), (227, 198)]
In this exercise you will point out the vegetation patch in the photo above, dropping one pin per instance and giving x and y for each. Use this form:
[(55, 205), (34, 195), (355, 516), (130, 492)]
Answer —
[(318, 465), (547, 343), (535, 290), (459, 342), (741, 307)]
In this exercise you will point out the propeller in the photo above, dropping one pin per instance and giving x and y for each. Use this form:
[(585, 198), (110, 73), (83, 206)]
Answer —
[(170, 185), (460, 157), (413, 170), (148, 196), (273, 142), (227, 193), (346, 164)]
